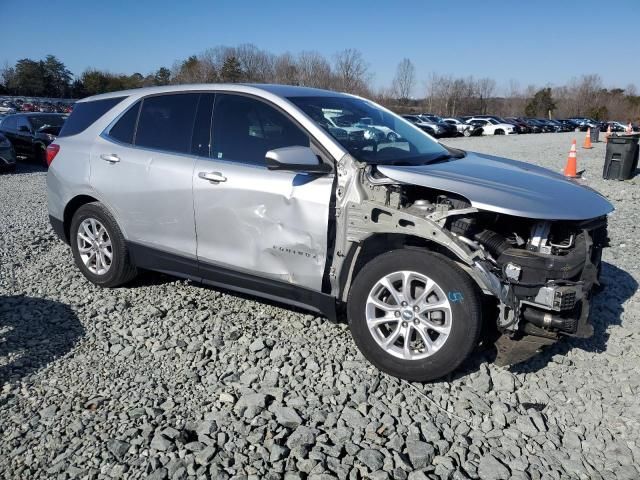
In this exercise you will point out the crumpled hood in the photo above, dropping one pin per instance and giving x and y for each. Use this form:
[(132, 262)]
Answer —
[(506, 186)]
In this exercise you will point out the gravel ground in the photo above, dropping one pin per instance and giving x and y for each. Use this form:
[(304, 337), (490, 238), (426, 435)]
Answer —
[(167, 379)]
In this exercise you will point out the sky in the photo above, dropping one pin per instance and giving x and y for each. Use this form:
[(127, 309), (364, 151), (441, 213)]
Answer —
[(537, 42)]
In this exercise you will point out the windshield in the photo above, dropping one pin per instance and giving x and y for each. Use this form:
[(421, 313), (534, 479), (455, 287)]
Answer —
[(43, 121), (370, 133)]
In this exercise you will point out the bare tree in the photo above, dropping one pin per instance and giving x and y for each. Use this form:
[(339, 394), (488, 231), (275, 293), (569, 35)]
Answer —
[(314, 70), (404, 80), (351, 72), (285, 69), (485, 88), (194, 70), (256, 64)]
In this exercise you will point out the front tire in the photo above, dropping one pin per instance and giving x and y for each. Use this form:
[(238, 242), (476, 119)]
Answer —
[(414, 314), (99, 248)]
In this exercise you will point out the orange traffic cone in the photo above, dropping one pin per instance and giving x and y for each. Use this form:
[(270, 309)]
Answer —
[(587, 140), (570, 170)]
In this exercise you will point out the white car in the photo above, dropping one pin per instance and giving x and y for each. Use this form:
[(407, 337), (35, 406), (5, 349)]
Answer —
[(463, 128), (378, 132), (7, 108), (491, 126)]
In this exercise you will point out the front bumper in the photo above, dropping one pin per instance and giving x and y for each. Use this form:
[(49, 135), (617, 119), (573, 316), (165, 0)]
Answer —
[(553, 292)]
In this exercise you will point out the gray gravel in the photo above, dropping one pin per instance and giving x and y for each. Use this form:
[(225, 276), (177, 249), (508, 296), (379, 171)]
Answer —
[(167, 379)]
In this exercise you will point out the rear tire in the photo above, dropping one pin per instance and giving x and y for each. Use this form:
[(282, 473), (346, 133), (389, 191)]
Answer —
[(99, 248), (467, 132), (451, 320)]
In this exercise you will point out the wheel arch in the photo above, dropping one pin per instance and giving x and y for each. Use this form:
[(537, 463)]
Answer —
[(71, 208), (376, 244)]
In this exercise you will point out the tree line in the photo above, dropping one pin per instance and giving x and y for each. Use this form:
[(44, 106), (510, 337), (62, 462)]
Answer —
[(346, 71)]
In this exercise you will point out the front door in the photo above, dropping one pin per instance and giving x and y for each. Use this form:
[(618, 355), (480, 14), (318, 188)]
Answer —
[(271, 224)]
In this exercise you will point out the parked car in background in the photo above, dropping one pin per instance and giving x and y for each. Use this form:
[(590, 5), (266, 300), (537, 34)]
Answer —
[(585, 123), (543, 126), (562, 126), (427, 126), (491, 126), (522, 126), (498, 119), (570, 125), (294, 214), (27, 107), (378, 133), (447, 129), (31, 133), (7, 154), (616, 126), (463, 128), (554, 127), (7, 107)]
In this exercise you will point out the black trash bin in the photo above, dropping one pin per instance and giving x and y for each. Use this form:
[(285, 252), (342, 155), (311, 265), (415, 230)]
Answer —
[(621, 159)]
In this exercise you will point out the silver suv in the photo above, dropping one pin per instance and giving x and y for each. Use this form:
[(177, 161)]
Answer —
[(279, 191)]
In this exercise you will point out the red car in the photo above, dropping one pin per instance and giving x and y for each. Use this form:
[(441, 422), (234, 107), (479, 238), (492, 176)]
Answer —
[(28, 107)]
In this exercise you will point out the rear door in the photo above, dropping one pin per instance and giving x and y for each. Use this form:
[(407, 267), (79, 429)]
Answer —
[(142, 168), (265, 223), (23, 136), (9, 127)]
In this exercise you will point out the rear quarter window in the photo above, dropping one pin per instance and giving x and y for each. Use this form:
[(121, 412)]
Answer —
[(86, 113)]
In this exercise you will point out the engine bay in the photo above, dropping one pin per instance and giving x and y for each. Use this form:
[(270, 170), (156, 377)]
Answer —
[(541, 272)]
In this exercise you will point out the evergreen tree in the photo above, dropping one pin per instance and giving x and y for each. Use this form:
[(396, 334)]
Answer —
[(162, 76), (231, 71), (541, 104)]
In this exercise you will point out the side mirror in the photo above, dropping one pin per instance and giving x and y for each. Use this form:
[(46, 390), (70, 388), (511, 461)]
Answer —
[(295, 159)]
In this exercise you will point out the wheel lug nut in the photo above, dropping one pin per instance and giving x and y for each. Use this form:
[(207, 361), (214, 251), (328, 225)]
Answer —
[(404, 324), (416, 308), (397, 314), (404, 304), (416, 321)]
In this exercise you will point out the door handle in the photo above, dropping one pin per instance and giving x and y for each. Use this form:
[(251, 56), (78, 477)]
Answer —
[(215, 177), (110, 157)]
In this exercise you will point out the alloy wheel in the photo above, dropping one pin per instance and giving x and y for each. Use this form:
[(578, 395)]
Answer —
[(94, 246), (408, 315)]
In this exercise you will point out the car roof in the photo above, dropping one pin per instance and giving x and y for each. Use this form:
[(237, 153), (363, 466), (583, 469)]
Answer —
[(255, 88), (37, 114)]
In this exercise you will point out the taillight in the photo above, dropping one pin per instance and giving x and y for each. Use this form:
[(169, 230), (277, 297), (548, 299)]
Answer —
[(52, 151)]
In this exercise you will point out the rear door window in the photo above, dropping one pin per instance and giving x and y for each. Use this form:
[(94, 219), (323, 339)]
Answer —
[(23, 125), (124, 129), (9, 124), (166, 122), (245, 129), (86, 113)]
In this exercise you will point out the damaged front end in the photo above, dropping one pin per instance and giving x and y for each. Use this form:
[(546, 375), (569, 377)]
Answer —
[(540, 271)]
